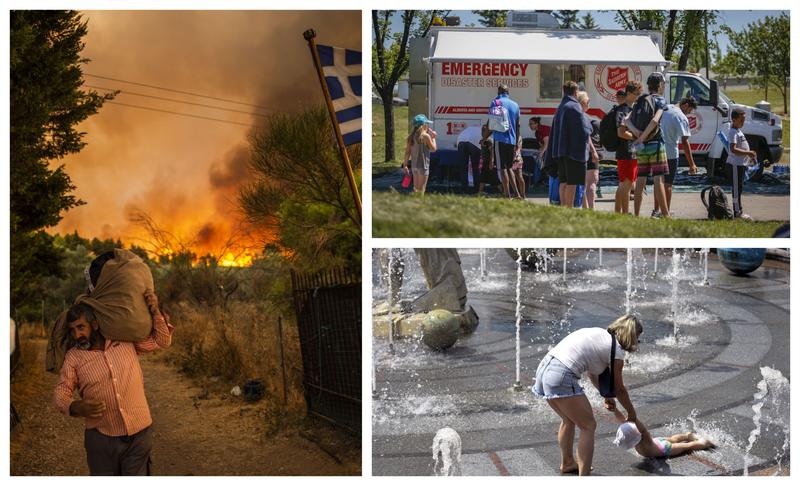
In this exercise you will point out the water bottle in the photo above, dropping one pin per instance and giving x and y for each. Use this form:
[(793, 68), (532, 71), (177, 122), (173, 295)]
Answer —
[(406, 180)]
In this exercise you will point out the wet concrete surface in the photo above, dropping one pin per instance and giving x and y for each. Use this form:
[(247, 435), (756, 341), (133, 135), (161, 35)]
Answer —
[(705, 382)]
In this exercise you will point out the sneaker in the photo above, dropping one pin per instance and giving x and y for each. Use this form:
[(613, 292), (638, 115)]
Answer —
[(655, 214), (745, 217)]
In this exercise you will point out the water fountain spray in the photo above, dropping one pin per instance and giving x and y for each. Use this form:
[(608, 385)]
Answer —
[(773, 389), (676, 263), (517, 384), (629, 268), (446, 450), (391, 301), (374, 386), (704, 253), (565, 266), (483, 264), (655, 262), (600, 257)]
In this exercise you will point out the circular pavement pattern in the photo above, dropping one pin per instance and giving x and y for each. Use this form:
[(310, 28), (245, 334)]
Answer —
[(704, 380)]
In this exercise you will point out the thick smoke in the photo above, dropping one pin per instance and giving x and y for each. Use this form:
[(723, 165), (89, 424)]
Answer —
[(184, 173)]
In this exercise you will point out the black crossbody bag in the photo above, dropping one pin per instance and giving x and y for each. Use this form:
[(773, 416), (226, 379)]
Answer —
[(605, 380)]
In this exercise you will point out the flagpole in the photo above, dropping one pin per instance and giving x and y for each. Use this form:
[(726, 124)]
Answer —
[(309, 36)]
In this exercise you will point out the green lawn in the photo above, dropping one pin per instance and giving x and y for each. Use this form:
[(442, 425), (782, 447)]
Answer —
[(752, 96), (379, 166), (449, 216)]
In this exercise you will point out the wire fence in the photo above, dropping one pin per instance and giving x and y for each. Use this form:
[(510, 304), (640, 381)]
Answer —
[(328, 307)]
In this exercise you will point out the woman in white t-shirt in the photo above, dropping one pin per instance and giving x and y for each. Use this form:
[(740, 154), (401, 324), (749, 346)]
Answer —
[(557, 381)]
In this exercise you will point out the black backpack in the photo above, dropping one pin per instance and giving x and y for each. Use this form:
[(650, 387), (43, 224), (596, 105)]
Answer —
[(608, 131), (717, 204), (643, 112)]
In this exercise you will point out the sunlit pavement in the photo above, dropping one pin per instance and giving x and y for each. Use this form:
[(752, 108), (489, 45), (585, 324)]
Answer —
[(728, 330)]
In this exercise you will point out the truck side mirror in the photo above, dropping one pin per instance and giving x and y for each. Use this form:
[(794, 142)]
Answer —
[(714, 94), (723, 110)]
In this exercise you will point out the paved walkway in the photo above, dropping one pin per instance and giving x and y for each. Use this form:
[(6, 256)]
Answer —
[(687, 205)]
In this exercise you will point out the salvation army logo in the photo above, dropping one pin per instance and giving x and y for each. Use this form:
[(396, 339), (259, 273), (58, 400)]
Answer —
[(695, 122), (617, 78), (610, 79)]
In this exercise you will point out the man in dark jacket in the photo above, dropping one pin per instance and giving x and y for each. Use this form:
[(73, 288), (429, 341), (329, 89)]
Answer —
[(568, 143)]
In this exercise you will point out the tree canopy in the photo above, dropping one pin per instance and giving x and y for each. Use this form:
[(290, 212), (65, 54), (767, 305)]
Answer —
[(300, 195), (390, 57), (492, 18), (47, 103), (762, 48)]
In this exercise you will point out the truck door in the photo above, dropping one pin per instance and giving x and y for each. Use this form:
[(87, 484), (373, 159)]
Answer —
[(704, 121)]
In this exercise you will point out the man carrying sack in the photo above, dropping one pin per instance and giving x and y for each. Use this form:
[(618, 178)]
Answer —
[(100, 359)]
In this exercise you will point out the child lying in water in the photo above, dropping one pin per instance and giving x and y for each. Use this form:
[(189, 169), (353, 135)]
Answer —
[(635, 434)]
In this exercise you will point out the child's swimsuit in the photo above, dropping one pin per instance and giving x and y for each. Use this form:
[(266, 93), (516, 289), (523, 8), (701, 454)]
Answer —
[(663, 445)]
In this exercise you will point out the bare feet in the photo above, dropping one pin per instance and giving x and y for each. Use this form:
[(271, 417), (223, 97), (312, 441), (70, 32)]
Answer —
[(707, 444), (701, 441), (572, 469), (569, 468)]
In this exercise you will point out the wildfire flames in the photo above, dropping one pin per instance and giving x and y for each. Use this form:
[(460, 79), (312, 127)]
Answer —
[(230, 260), (184, 172)]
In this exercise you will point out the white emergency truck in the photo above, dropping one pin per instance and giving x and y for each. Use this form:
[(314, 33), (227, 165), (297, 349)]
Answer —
[(455, 72)]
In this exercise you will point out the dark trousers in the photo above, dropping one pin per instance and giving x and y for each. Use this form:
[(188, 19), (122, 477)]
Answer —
[(468, 152), (737, 188), (127, 455)]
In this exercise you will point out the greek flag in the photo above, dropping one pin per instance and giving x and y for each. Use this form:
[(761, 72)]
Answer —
[(342, 69)]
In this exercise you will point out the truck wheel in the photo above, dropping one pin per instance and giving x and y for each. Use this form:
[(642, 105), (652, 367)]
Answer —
[(764, 154), (721, 171)]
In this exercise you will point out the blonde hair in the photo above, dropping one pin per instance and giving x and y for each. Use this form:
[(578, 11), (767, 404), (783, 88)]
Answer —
[(627, 329), (582, 96), (416, 134)]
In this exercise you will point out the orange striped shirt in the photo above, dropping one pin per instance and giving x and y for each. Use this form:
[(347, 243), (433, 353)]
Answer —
[(112, 375)]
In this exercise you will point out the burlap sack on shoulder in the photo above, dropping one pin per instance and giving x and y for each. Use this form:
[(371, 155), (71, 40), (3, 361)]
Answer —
[(118, 303)]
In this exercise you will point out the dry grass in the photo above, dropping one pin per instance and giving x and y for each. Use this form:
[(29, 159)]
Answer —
[(28, 376), (224, 348)]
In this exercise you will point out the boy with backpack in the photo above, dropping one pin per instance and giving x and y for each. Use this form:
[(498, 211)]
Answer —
[(738, 157), (504, 123), (615, 136), (651, 156)]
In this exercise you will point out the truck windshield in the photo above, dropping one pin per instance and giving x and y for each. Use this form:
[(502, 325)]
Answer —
[(727, 99)]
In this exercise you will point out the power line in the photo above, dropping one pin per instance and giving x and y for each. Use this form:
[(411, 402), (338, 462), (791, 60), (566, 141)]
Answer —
[(176, 101), (177, 91), (178, 113)]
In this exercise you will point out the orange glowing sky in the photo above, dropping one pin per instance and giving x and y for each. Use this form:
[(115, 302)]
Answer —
[(185, 172)]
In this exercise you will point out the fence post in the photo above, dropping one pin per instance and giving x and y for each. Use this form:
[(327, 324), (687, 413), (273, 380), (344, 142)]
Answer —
[(283, 365)]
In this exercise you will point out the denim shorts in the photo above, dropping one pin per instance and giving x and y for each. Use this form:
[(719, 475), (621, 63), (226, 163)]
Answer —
[(555, 380)]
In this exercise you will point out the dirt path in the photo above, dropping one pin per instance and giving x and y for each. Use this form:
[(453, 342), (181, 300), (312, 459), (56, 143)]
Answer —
[(194, 433)]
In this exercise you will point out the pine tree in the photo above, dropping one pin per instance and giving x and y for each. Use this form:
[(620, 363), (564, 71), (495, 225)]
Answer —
[(567, 19), (492, 18), (587, 22)]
